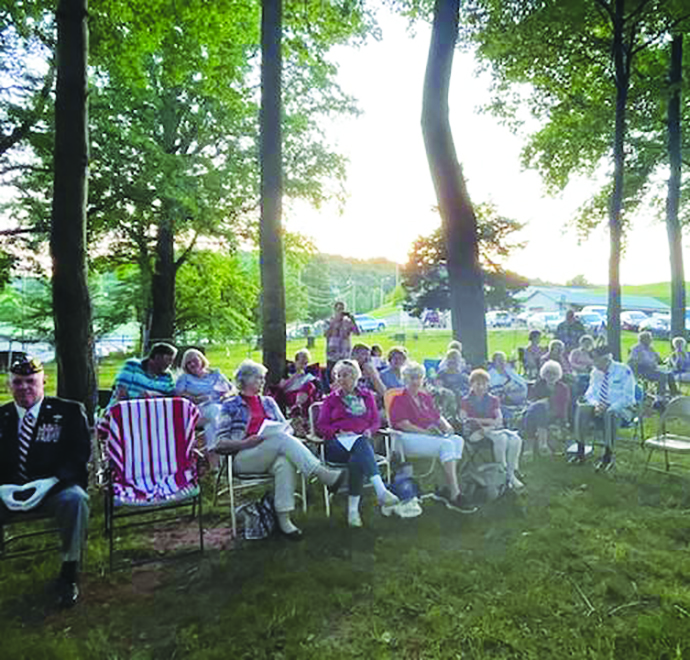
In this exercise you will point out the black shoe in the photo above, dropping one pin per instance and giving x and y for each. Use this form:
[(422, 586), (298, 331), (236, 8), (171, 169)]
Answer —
[(576, 459), (335, 486), (291, 536), (68, 593)]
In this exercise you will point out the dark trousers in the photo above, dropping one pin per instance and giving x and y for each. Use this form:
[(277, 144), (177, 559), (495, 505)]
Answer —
[(360, 461), (610, 420), (70, 508)]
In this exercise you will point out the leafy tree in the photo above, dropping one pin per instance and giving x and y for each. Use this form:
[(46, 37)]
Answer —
[(425, 277), (593, 81), (578, 280), (216, 298)]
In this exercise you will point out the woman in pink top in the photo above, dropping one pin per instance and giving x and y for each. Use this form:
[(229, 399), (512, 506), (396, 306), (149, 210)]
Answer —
[(347, 420), (423, 431)]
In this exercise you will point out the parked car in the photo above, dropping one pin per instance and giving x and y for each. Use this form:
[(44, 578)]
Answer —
[(369, 324), (499, 319), (659, 326), (523, 318), (631, 320), (594, 323), (602, 310), (546, 321)]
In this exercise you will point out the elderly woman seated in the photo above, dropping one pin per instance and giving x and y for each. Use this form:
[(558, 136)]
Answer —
[(347, 420), (371, 377), (481, 414), (645, 362), (550, 398), (451, 383), (206, 387), (505, 382), (299, 391), (424, 432), (254, 430), (533, 354), (557, 353), (391, 376), (679, 360)]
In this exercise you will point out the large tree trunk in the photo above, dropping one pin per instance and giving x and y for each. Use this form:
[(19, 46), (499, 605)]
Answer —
[(675, 237), (622, 79), (272, 281), (163, 283), (71, 303), (459, 221)]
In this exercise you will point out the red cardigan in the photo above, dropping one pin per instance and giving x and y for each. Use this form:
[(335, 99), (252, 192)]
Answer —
[(334, 417)]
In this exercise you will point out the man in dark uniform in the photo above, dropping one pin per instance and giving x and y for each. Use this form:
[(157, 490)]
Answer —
[(46, 440)]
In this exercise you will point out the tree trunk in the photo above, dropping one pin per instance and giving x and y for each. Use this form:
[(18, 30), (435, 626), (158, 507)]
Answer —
[(71, 303), (622, 79), (271, 239), (163, 283), (457, 214), (675, 237)]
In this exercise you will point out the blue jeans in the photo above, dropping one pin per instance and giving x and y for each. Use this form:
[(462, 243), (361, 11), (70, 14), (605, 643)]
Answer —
[(360, 461)]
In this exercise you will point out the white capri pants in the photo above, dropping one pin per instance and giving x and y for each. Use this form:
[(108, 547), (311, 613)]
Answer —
[(446, 447), (507, 448), (280, 455)]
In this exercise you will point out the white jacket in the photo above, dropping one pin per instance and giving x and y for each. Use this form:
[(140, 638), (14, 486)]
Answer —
[(621, 387)]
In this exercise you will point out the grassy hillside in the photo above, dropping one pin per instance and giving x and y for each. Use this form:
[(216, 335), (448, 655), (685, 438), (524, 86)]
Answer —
[(661, 291)]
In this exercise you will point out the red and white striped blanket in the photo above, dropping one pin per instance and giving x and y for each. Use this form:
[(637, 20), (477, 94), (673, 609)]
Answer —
[(149, 444)]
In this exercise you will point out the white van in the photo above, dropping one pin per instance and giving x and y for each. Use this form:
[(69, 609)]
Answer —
[(499, 319)]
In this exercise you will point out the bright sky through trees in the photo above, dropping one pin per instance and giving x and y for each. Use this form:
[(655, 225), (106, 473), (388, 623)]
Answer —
[(390, 193)]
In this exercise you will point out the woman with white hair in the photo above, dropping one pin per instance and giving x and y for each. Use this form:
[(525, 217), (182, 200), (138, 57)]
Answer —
[(347, 421), (206, 387), (424, 431), (259, 447), (550, 398)]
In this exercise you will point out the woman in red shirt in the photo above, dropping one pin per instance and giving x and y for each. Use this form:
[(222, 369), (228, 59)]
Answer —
[(424, 432), (347, 420)]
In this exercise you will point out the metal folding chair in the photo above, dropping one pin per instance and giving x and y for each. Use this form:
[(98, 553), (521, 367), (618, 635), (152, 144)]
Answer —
[(316, 439)]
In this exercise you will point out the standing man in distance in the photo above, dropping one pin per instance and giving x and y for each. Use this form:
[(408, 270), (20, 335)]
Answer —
[(45, 442), (338, 344), (570, 331)]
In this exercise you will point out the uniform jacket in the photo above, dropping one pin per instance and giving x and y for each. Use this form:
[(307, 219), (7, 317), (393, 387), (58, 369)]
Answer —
[(60, 445)]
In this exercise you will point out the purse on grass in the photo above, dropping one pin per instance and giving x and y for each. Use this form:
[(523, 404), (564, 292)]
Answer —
[(259, 517)]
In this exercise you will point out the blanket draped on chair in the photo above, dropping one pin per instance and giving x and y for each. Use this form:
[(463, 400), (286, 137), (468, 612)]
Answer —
[(149, 444)]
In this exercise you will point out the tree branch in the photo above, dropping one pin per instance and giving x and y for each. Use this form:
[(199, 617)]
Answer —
[(21, 131), (185, 254), (22, 230)]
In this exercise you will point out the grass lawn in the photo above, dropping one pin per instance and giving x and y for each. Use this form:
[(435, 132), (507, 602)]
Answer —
[(582, 565)]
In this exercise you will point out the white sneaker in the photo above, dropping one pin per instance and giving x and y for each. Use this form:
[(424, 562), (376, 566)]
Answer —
[(354, 519), (389, 499)]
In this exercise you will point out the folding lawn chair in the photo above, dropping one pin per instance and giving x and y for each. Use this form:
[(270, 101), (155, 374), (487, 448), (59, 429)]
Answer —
[(671, 443), (152, 462)]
